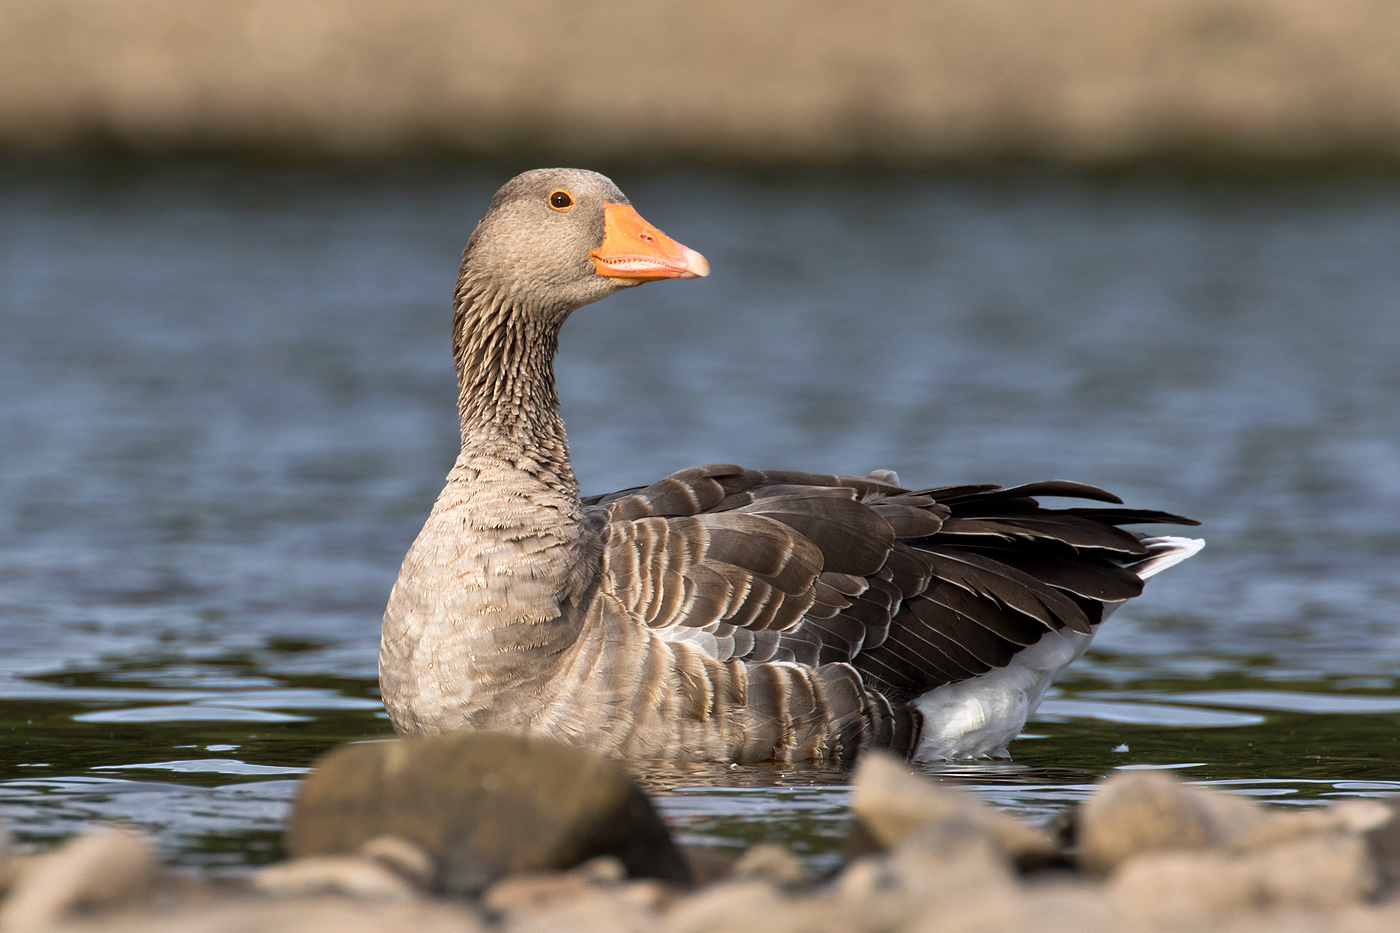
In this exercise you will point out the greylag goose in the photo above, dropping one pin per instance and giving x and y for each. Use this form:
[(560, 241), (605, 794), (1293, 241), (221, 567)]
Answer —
[(721, 613)]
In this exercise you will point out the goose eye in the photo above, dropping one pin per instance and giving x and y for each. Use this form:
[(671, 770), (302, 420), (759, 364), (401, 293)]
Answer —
[(561, 200)]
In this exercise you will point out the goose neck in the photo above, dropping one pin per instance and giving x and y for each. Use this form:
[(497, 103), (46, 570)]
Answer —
[(503, 348)]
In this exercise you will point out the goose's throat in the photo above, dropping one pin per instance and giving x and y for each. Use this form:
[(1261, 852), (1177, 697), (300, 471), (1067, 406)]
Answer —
[(508, 403)]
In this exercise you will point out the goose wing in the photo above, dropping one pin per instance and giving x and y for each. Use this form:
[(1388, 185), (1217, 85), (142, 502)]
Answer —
[(911, 589)]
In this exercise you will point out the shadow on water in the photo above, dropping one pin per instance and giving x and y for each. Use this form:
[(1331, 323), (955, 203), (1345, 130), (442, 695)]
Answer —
[(227, 404)]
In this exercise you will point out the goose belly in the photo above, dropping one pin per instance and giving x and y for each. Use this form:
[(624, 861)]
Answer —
[(978, 718)]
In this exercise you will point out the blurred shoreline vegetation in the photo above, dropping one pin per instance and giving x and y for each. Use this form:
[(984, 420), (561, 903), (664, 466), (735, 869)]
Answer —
[(1233, 86)]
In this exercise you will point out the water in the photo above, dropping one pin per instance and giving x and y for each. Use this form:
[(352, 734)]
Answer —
[(226, 404)]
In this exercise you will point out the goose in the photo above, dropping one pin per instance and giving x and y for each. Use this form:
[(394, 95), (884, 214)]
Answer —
[(719, 614)]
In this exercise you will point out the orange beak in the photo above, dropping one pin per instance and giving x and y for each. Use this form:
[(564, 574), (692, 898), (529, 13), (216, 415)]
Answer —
[(633, 249)]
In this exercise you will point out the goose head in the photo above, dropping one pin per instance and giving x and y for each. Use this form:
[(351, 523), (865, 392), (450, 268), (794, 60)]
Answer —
[(562, 238)]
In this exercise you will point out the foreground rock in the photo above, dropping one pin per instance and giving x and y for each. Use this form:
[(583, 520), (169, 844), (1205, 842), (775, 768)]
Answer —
[(1177, 854), (101, 871), (1137, 813), (1152, 855), (482, 806), (892, 804), (309, 915)]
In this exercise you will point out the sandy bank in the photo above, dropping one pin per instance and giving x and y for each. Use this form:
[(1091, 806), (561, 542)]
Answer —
[(784, 81)]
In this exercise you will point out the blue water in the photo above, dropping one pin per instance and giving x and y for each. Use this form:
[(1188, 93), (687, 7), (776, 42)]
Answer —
[(226, 403)]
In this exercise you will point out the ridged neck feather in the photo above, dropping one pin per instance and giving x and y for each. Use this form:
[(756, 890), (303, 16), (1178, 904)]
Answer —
[(503, 345)]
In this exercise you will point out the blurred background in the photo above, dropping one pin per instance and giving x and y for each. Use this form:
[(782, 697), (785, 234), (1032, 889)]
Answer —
[(777, 82), (1151, 245)]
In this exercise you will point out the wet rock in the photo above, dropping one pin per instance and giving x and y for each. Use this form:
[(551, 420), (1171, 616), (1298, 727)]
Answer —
[(772, 864), (891, 804), (483, 806), (1325, 873), (103, 870), (1137, 812)]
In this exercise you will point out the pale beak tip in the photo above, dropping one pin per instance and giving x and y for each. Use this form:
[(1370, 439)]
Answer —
[(696, 266)]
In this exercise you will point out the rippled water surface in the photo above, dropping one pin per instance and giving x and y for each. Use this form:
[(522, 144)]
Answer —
[(226, 403)]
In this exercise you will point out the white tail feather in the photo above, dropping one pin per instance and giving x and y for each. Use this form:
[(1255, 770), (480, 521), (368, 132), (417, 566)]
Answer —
[(1163, 552)]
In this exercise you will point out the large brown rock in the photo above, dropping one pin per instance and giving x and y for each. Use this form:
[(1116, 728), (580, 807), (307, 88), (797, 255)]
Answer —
[(483, 806)]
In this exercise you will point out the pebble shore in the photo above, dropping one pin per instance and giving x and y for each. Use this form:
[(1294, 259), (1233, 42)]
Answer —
[(484, 833)]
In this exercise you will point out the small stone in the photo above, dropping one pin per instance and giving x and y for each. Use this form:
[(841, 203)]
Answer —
[(1357, 817), (595, 896), (1180, 887), (1315, 873), (297, 915), (407, 860), (103, 870), (953, 861), (891, 803), (730, 906), (772, 864), (950, 868), (482, 806), (628, 908), (1361, 815), (348, 875), (1384, 840), (603, 870), (709, 863), (1136, 812), (533, 891), (11, 869), (1070, 906), (1319, 872), (7, 846), (1059, 908), (544, 890)]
